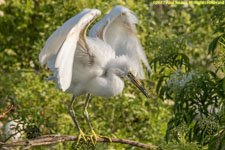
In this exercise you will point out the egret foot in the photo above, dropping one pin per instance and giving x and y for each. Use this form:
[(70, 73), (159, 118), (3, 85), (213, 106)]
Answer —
[(81, 136), (106, 137), (94, 137)]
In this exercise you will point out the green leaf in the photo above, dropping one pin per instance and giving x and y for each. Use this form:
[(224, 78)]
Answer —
[(213, 44)]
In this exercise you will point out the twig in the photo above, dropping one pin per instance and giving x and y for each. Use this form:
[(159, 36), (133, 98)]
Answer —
[(18, 71), (11, 136), (4, 113), (53, 139), (21, 70)]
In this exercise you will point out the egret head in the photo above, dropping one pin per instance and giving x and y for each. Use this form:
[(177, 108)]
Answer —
[(125, 67)]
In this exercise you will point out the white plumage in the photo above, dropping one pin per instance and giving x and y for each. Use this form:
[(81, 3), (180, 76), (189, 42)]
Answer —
[(95, 64), (118, 30), (9, 130)]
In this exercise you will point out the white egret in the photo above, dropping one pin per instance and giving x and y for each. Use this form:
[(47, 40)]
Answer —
[(94, 64), (9, 131)]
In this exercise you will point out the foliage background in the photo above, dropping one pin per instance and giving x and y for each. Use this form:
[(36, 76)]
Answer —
[(185, 46)]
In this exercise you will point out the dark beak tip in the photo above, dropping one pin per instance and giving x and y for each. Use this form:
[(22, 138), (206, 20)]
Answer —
[(144, 92)]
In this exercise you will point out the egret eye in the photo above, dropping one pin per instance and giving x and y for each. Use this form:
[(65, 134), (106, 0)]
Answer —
[(129, 74)]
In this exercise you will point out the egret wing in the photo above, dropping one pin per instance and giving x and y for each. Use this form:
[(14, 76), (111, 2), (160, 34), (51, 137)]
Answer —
[(60, 48), (118, 29)]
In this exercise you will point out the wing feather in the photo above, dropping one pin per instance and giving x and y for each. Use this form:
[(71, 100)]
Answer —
[(118, 29), (60, 48), (55, 41)]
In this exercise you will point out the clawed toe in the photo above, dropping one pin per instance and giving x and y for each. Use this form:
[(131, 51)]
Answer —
[(81, 136), (94, 137), (106, 137)]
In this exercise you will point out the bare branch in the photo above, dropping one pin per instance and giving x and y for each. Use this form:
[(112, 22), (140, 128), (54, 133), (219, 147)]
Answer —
[(19, 71), (4, 113), (53, 139)]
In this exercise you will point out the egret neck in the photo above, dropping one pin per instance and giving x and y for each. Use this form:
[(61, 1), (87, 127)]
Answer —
[(109, 85)]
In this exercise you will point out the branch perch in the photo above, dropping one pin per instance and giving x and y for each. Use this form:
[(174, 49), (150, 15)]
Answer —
[(53, 139)]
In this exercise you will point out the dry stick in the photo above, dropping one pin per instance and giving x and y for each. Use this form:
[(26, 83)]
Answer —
[(53, 139), (4, 113)]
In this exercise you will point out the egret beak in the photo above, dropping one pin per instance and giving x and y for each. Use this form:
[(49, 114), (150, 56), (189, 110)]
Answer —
[(137, 83)]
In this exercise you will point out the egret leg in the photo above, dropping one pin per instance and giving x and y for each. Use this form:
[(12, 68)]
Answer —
[(72, 113), (93, 135), (85, 112)]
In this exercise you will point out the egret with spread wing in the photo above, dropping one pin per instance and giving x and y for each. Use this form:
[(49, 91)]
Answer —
[(94, 64)]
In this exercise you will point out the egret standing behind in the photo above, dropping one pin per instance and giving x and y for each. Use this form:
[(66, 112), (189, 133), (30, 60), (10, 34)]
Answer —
[(94, 64)]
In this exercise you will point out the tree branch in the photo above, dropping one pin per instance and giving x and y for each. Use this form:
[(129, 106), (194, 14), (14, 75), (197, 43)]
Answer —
[(53, 139), (4, 113)]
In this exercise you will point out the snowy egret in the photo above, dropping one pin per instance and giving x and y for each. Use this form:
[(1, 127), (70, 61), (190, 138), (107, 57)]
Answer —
[(94, 64)]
